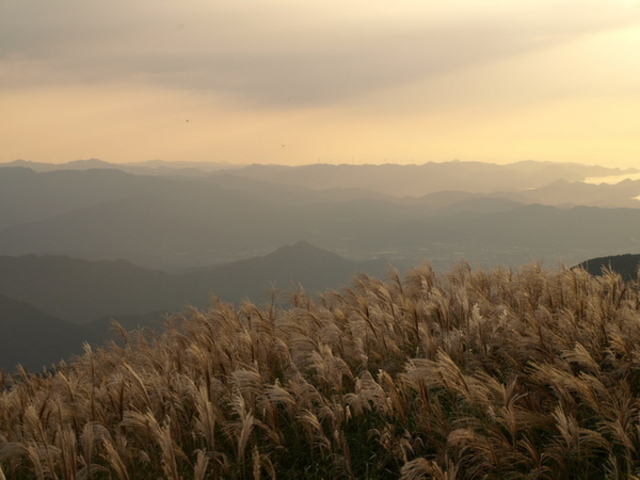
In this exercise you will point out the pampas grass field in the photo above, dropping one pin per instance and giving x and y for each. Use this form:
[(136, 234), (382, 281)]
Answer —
[(502, 374)]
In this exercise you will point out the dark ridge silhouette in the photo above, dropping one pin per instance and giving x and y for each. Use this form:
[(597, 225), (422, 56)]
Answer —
[(35, 339), (626, 265), (285, 269), (81, 291), (80, 298)]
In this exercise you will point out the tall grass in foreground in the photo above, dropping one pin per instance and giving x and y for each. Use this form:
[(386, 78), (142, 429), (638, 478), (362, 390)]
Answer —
[(476, 374)]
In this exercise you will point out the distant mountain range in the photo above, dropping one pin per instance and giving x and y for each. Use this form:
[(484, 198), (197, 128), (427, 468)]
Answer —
[(151, 167), (88, 241), (419, 180), (174, 223), (50, 305), (81, 291), (390, 179)]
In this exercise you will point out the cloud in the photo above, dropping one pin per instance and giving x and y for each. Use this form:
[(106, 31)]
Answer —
[(278, 54)]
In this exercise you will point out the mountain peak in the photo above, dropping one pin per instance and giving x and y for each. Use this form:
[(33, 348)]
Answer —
[(301, 249), (302, 245)]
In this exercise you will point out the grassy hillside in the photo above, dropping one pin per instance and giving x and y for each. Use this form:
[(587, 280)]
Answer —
[(476, 374), (91, 294)]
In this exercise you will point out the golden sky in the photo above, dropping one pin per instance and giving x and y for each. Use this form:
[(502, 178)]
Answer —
[(287, 82)]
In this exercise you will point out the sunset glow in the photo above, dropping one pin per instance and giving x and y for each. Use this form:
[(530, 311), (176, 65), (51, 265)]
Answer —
[(363, 82)]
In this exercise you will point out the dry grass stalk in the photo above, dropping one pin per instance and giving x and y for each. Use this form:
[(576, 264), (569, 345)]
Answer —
[(475, 374)]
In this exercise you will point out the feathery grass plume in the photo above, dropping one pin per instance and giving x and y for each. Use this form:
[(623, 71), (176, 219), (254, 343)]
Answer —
[(160, 434), (205, 421), (114, 459), (421, 468), (241, 429), (169, 464), (90, 437), (39, 447), (65, 440), (201, 465), (368, 395), (10, 453), (526, 373), (575, 443)]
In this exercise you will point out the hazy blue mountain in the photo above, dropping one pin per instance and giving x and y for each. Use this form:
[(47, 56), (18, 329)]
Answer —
[(81, 291), (396, 180), (626, 265), (444, 198), (392, 180), (150, 167), (157, 222), (515, 236), (278, 192), (569, 194), (483, 204), (543, 171), (180, 223), (420, 180), (27, 196), (547, 172), (286, 269), (43, 299), (174, 224), (35, 339), (171, 229), (73, 165), (559, 193)]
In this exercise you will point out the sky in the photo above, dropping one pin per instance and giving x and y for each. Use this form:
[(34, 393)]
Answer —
[(257, 81)]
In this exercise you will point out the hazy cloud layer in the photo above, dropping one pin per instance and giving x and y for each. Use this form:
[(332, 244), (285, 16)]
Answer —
[(278, 53), (277, 81)]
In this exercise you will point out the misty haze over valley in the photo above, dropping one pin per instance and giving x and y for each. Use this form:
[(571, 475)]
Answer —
[(319, 240), (317, 317), (170, 217), (87, 242)]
